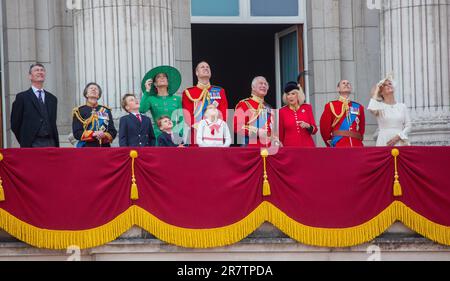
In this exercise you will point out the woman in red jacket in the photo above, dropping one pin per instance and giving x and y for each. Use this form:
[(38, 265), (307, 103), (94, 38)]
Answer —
[(296, 119)]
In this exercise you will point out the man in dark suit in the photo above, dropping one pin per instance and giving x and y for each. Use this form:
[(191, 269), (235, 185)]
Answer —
[(33, 115), (135, 129)]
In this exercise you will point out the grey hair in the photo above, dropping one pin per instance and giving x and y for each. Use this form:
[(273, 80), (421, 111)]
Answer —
[(259, 78), (34, 65)]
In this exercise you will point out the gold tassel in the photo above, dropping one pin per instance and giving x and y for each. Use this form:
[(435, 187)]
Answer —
[(2, 192), (266, 184), (266, 188), (134, 189), (397, 187)]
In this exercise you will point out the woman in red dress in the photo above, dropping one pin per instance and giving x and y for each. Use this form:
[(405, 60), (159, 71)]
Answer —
[(296, 120)]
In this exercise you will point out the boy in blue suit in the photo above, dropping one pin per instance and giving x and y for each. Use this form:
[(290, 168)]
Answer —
[(167, 137), (135, 129)]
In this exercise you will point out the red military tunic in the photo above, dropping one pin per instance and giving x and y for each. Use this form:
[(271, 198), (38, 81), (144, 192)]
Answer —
[(290, 131), (251, 115), (343, 124), (196, 99)]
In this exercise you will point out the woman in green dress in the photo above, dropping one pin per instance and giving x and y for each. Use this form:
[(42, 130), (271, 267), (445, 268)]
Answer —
[(159, 87)]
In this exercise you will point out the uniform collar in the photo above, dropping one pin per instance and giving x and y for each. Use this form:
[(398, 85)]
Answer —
[(257, 99), (94, 107), (202, 86), (344, 100)]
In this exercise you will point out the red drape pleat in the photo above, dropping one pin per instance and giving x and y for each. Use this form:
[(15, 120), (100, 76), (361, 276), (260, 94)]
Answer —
[(200, 188), (331, 188), (66, 189), (425, 179), (78, 189)]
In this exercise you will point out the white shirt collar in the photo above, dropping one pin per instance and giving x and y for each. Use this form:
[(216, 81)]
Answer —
[(36, 89)]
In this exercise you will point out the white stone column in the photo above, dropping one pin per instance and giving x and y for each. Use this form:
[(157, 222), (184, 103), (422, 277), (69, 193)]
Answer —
[(415, 46), (118, 41)]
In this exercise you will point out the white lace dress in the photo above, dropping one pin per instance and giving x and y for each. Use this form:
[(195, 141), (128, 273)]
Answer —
[(392, 120)]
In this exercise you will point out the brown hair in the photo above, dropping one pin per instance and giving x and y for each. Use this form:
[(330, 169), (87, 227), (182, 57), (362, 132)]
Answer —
[(198, 64), (161, 119), (124, 102), (93, 84)]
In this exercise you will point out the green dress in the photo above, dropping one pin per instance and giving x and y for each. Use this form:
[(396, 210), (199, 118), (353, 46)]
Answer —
[(160, 106)]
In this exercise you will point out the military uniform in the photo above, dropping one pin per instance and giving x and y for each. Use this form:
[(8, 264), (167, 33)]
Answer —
[(343, 124), (195, 101), (87, 120), (250, 116)]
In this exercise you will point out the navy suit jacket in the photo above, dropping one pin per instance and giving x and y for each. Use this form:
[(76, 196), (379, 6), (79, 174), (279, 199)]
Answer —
[(26, 118), (165, 140), (134, 133)]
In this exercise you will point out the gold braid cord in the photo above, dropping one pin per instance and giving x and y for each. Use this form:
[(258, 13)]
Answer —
[(203, 96), (344, 110), (85, 122)]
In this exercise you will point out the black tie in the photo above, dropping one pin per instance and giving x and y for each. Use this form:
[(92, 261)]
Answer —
[(40, 97)]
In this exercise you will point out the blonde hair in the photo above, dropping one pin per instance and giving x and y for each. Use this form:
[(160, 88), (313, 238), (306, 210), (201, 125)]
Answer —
[(378, 95), (300, 96), (207, 115)]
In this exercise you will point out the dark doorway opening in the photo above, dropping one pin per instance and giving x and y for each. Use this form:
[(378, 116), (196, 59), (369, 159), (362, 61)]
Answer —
[(237, 53)]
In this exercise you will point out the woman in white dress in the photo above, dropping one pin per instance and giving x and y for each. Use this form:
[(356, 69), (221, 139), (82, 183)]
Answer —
[(394, 123)]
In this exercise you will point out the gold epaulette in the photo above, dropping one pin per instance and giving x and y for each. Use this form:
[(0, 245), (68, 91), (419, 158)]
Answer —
[(241, 101), (106, 107), (188, 95), (76, 113), (75, 109)]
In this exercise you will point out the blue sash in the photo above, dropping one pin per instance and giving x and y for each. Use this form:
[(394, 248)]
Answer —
[(214, 94), (260, 122), (345, 126)]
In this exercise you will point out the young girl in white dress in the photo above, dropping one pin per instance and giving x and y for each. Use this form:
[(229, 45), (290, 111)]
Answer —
[(393, 119), (213, 131)]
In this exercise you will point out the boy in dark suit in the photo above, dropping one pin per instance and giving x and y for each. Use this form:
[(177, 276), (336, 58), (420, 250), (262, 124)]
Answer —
[(135, 129), (167, 137)]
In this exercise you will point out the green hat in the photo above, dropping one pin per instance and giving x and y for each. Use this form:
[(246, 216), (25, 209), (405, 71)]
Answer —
[(173, 75)]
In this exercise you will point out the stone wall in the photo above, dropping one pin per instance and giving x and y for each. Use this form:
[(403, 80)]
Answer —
[(40, 31), (416, 48), (112, 44)]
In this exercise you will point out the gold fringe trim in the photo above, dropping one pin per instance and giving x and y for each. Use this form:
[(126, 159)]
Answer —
[(202, 238), (228, 235), (332, 237), (348, 237), (61, 240), (429, 229)]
